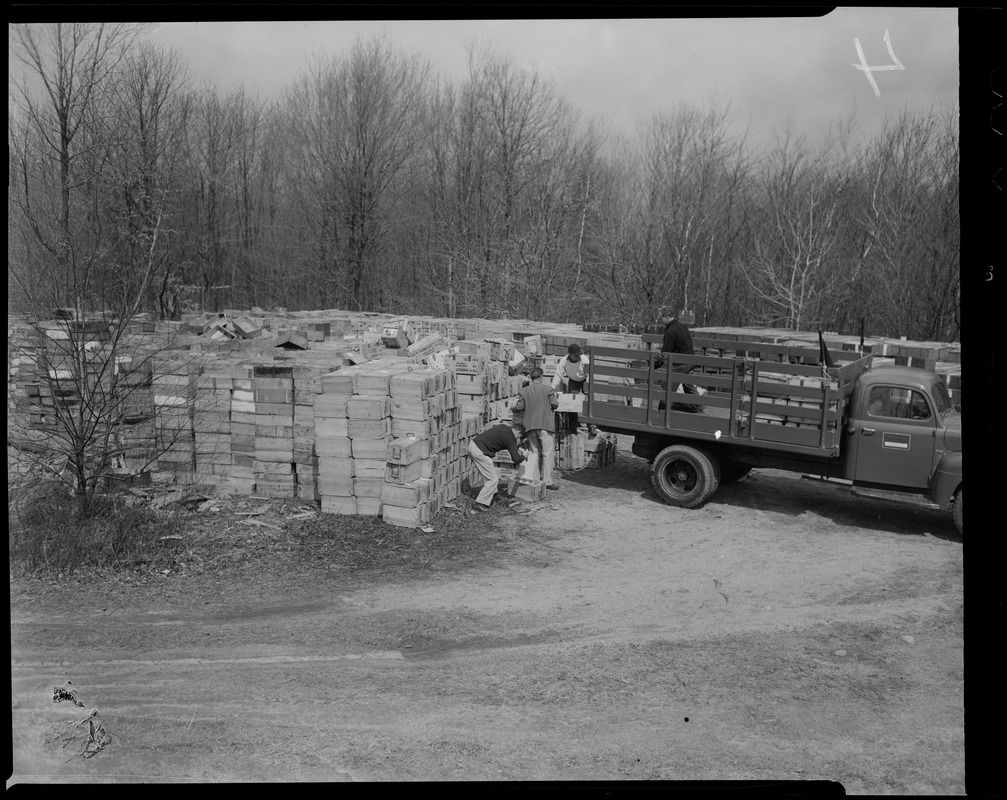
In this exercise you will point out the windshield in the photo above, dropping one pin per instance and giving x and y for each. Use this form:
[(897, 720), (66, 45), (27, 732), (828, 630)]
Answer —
[(942, 398)]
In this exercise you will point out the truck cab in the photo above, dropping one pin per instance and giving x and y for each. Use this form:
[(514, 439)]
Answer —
[(904, 433)]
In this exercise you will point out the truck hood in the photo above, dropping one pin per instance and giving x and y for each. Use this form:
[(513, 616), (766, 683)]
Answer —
[(953, 436)]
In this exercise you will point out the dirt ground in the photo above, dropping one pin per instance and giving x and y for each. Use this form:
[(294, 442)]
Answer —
[(788, 630)]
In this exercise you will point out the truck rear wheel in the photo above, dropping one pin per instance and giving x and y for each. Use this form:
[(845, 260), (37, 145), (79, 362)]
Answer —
[(957, 511), (685, 476)]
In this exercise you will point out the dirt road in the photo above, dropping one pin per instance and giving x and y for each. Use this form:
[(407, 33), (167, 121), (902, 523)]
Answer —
[(787, 630)]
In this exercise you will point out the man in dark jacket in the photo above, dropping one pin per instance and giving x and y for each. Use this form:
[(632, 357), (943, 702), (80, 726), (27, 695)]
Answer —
[(483, 447), (677, 339)]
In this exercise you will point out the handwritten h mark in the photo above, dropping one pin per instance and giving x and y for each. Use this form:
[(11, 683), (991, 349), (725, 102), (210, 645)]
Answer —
[(868, 70)]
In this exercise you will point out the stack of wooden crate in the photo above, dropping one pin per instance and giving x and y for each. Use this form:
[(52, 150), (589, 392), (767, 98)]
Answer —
[(307, 386), (485, 388), (273, 465), (59, 373), (173, 386), (241, 477), (405, 495), (580, 449), (369, 426), (136, 435), (427, 473), (22, 373), (570, 452), (472, 382), (390, 440), (418, 404), (332, 443), (211, 423), (600, 450)]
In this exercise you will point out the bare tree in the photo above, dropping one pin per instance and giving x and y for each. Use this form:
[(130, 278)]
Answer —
[(683, 190), (511, 170), (89, 273), (354, 126), (796, 267), (67, 67), (911, 225), (150, 114)]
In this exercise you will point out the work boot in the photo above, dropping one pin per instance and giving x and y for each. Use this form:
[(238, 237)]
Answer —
[(553, 486)]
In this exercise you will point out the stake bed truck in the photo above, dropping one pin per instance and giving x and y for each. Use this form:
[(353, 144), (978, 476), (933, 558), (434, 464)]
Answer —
[(778, 407)]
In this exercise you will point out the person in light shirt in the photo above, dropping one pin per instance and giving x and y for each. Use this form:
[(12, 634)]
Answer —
[(570, 376), (572, 371)]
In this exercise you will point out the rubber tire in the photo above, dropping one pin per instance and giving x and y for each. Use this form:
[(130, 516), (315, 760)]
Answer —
[(732, 472), (957, 512), (695, 479)]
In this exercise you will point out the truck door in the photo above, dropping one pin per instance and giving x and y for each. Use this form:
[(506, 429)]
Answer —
[(896, 438)]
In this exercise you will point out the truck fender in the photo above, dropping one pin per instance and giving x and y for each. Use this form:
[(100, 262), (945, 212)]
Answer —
[(947, 479)]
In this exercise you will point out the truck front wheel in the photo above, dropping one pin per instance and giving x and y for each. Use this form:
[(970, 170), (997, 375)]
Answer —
[(685, 476), (957, 511)]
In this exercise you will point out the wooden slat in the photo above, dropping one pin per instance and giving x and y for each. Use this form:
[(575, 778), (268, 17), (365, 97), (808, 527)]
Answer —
[(764, 348), (780, 410), (787, 434), (686, 421)]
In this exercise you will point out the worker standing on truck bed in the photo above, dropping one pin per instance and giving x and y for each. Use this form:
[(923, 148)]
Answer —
[(483, 447), (572, 371), (677, 339), (570, 377)]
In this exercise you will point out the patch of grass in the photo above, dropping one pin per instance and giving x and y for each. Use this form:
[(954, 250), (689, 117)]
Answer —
[(49, 538)]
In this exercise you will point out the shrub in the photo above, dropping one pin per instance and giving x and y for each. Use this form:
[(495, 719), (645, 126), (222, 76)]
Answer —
[(48, 536)]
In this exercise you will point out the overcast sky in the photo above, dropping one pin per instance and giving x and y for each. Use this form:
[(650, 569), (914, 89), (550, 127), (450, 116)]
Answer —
[(625, 71)]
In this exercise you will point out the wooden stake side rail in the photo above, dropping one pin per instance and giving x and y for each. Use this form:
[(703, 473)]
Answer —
[(806, 353), (794, 405)]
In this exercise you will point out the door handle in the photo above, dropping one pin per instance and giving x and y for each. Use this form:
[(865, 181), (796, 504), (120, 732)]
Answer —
[(868, 431)]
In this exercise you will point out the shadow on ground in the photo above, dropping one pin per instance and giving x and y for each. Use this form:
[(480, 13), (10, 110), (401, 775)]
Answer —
[(790, 495)]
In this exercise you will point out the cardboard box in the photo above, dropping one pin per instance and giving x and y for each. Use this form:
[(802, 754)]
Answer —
[(527, 490), (395, 338), (247, 327), (407, 449), (570, 403)]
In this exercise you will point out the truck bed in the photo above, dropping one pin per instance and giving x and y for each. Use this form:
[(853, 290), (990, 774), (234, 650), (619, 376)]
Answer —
[(761, 395)]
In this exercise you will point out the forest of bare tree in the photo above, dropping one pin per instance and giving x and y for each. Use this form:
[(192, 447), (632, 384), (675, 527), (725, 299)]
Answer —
[(372, 184)]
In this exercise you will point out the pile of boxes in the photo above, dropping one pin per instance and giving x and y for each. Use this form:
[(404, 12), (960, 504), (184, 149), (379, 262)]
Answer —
[(211, 423), (273, 462), (391, 439), (173, 385)]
